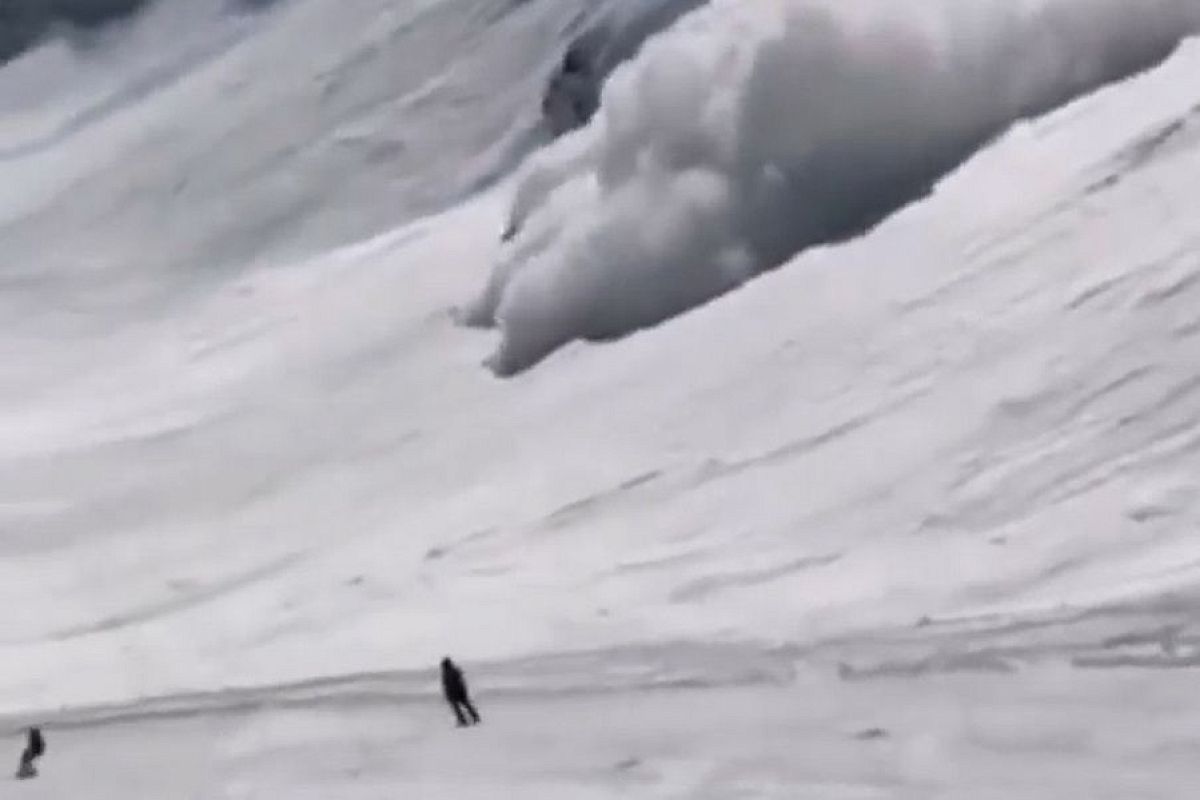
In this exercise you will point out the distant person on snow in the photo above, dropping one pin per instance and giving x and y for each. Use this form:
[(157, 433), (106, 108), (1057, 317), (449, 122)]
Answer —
[(35, 747), (454, 687)]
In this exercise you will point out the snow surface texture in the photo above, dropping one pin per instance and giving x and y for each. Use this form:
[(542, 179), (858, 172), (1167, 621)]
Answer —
[(406, 109), (244, 444), (755, 130), (1103, 737)]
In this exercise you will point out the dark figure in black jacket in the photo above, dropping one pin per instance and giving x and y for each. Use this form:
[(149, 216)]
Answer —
[(454, 687), (35, 746)]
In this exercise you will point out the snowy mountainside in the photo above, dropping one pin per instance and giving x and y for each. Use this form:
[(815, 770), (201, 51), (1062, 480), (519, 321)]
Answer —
[(245, 441), (193, 164)]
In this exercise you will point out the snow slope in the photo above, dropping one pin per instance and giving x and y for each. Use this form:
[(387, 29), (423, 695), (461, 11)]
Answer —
[(244, 442), (1044, 738)]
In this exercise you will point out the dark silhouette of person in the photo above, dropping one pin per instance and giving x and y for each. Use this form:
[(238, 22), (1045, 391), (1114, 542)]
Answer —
[(35, 747), (454, 687)]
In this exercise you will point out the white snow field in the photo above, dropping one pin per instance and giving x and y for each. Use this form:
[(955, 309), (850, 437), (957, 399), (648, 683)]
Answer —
[(911, 514)]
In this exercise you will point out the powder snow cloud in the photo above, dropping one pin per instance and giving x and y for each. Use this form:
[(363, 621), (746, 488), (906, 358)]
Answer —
[(753, 130)]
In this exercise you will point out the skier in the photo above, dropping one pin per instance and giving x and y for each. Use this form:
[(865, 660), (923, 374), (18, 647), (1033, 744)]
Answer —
[(35, 747), (454, 687)]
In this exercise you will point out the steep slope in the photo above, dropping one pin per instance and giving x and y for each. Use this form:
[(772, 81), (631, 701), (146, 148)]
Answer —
[(204, 141), (988, 405)]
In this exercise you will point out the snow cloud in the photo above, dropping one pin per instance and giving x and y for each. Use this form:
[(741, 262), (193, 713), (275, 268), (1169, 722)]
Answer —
[(753, 130)]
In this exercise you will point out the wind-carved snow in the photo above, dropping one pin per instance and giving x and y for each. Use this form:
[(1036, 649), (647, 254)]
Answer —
[(752, 131)]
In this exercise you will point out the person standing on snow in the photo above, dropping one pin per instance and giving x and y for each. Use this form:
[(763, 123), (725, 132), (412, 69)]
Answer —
[(454, 687), (35, 746)]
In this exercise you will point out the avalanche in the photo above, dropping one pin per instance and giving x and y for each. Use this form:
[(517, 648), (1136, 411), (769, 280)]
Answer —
[(911, 513), (757, 130)]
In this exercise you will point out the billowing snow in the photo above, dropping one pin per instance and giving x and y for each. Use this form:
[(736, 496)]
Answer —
[(939, 480), (754, 130)]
